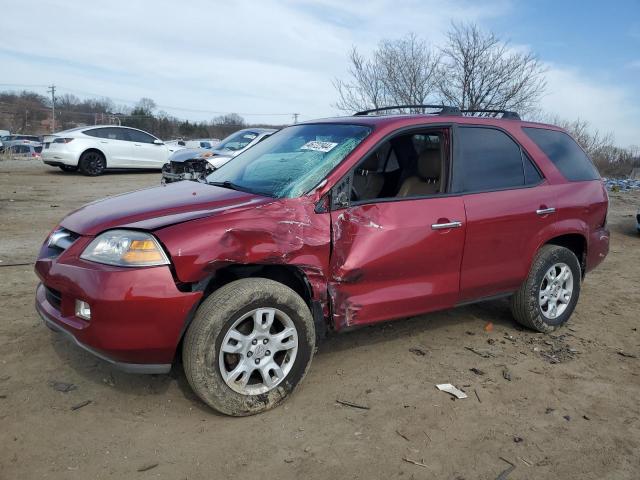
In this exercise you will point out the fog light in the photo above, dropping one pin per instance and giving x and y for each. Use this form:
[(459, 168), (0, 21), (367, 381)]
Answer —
[(83, 310)]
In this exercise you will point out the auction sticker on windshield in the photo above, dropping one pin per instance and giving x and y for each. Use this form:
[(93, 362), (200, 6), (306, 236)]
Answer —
[(318, 146)]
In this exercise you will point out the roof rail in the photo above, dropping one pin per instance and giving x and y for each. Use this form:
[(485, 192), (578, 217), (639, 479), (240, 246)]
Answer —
[(444, 109), (507, 114)]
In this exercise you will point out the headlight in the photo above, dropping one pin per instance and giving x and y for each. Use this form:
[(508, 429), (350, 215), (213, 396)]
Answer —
[(125, 248)]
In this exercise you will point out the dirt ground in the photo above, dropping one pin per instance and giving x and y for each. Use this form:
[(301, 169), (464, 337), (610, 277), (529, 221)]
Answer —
[(555, 406)]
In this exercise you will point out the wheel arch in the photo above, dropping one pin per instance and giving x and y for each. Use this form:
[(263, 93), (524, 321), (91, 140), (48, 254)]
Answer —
[(575, 242), (294, 277), (94, 149)]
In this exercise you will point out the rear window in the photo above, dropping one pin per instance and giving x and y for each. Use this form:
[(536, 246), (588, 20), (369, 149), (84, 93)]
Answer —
[(38, 149), (565, 154)]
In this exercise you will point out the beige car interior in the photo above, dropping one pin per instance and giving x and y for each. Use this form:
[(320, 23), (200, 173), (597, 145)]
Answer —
[(406, 166)]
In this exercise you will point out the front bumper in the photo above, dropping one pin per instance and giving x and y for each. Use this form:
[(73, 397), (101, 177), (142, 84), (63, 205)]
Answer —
[(137, 314)]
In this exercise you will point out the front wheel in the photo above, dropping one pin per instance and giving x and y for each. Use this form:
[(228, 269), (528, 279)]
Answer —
[(248, 347), (547, 298)]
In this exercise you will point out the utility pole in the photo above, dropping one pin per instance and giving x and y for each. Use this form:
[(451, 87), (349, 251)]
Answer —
[(295, 117), (52, 90)]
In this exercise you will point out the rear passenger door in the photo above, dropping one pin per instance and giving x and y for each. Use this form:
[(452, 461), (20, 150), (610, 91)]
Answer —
[(114, 143), (502, 191)]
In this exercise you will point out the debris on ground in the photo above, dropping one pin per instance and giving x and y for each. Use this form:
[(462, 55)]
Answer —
[(505, 473), (419, 464), (518, 439), (553, 349), (549, 410), (488, 327), (477, 396), (420, 352), (78, 406), (63, 387), (506, 374), (347, 403), (403, 435), (625, 354), (566, 417), (477, 371), (148, 466), (621, 184), (450, 389), (482, 353)]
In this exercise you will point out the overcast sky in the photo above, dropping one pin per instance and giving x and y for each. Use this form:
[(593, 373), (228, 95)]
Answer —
[(267, 59)]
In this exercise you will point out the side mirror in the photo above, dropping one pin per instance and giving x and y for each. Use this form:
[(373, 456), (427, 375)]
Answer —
[(157, 141)]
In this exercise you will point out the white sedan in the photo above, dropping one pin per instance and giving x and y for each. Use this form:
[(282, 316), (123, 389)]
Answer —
[(94, 149)]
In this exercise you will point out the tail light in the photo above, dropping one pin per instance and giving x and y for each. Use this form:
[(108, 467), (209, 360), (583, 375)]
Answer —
[(62, 140), (35, 154)]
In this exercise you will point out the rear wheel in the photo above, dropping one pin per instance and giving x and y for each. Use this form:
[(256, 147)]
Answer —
[(92, 163), (546, 300), (249, 346), (68, 168)]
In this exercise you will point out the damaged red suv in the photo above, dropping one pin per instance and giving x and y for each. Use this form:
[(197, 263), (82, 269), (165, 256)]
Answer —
[(329, 224)]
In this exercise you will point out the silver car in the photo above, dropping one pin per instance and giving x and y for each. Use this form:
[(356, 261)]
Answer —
[(196, 164), (12, 140)]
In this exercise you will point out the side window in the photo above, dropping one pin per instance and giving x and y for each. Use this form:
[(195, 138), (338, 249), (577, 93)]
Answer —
[(531, 174), (486, 159), (97, 132), (565, 154), (138, 136), (407, 166)]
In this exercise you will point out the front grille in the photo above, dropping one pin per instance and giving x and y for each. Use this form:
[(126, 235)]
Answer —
[(54, 297)]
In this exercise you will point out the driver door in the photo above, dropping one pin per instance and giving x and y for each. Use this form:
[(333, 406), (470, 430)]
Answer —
[(396, 256)]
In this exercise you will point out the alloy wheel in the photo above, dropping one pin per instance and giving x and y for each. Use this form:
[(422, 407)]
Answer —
[(258, 351), (556, 290)]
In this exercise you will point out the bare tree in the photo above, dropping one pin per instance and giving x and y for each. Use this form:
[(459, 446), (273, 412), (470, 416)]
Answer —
[(479, 71), (400, 72)]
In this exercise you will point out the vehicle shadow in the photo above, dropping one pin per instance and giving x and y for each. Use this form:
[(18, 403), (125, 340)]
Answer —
[(121, 171), (473, 317)]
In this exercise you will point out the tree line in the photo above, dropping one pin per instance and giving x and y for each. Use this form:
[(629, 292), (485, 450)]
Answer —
[(25, 112)]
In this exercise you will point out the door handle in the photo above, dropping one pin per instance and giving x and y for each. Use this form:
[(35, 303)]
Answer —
[(103, 141), (446, 226), (545, 211)]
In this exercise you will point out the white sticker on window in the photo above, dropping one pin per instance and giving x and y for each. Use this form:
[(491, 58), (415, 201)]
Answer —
[(250, 136), (318, 146)]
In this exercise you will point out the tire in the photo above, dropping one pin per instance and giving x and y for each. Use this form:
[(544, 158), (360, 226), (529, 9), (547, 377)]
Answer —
[(528, 304), (68, 168), (92, 163), (220, 319)]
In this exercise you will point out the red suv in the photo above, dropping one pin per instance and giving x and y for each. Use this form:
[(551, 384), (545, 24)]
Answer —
[(329, 224)]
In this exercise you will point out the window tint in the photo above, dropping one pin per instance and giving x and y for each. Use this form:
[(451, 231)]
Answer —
[(138, 136), (531, 174), (38, 149), (97, 132), (487, 159), (108, 133), (565, 154)]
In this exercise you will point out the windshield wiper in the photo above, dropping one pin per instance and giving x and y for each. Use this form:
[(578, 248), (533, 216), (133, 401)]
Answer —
[(227, 184)]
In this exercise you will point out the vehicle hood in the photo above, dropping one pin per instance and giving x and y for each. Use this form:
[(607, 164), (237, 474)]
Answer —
[(158, 207)]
